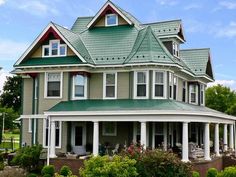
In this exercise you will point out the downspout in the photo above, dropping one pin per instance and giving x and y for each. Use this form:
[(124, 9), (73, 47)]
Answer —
[(49, 140)]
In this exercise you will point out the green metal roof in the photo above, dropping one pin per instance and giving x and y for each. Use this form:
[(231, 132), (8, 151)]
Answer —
[(51, 61), (125, 104), (196, 59), (80, 24)]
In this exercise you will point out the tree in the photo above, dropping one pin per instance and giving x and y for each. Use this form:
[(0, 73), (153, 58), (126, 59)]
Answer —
[(11, 96), (221, 98)]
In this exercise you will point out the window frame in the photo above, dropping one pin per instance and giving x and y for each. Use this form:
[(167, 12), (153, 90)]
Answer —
[(175, 92), (109, 134), (184, 87), (105, 85), (175, 49), (45, 134), (46, 86), (85, 88), (107, 15), (196, 94), (136, 84), (154, 84), (202, 94), (50, 48), (171, 84)]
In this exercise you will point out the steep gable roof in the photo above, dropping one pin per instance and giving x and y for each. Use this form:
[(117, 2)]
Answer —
[(51, 27), (148, 48), (168, 28), (198, 60), (110, 5), (80, 24)]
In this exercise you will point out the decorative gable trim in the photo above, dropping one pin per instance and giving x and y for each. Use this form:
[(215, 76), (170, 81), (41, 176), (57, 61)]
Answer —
[(42, 36), (101, 11)]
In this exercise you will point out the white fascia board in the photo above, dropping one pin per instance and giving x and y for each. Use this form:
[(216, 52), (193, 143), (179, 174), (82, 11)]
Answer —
[(171, 36), (140, 112), (33, 116), (38, 39), (206, 77), (103, 8)]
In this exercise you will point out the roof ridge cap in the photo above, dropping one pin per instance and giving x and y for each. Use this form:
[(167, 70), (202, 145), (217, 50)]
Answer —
[(161, 22), (195, 49)]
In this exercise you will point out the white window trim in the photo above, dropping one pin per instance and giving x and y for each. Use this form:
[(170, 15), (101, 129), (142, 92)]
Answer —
[(164, 84), (44, 134), (29, 125), (186, 91), (196, 103), (46, 86), (176, 49), (50, 49), (172, 86), (135, 85), (85, 89), (109, 134), (36, 88), (111, 15), (202, 104), (104, 85), (177, 89)]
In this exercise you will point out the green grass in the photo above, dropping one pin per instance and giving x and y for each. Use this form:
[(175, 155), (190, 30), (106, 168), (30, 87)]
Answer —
[(10, 135), (6, 141)]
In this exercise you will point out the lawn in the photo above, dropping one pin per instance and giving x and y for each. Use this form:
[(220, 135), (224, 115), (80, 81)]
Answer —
[(10, 140)]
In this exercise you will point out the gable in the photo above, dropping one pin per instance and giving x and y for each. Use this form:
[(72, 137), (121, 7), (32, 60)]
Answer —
[(109, 8), (101, 21)]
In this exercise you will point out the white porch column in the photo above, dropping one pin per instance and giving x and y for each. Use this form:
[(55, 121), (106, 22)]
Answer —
[(143, 134), (225, 137), (207, 142), (216, 142), (52, 139), (165, 136), (95, 138), (231, 137), (153, 135), (185, 142)]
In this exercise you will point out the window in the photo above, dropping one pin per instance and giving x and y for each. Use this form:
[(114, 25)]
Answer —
[(110, 85), (141, 84), (202, 94), (79, 87), (53, 85), (111, 19), (57, 131), (109, 129), (30, 125), (170, 85), (193, 94), (184, 91), (175, 49), (159, 84), (54, 49), (36, 88), (175, 87)]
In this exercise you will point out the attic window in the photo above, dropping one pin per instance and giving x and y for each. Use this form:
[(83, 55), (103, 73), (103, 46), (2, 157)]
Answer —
[(111, 20), (54, 49)]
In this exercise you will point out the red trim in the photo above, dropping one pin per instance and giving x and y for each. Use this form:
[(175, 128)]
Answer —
[(50, 31), (33, 75), (113, 11)]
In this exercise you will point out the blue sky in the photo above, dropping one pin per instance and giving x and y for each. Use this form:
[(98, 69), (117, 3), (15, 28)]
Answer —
[(207, 23)]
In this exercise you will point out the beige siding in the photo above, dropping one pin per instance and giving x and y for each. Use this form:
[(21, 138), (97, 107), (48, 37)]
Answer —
[(47, 103), (26, 136), (123, 85), (101, 22), (27, 96), (180, 89), (40, 131), (96, 86)]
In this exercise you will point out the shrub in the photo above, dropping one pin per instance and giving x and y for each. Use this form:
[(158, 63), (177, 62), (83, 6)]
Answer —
[(65, 171), (160, 163), (195, 174), (212, 172), (47, 175), (13, 172), (32, 175), (106, 166), (228, 172), (48, 170), (2, 166), (16, 131), (28, 157)]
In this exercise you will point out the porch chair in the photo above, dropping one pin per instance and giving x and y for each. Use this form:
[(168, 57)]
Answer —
[(115, 151)]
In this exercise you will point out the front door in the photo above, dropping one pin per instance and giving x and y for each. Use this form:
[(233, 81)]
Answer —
[(78, 138)]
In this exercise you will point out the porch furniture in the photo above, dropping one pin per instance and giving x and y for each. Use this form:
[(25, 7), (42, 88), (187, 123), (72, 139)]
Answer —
[(71, 155), (194, 151), (115, 151)]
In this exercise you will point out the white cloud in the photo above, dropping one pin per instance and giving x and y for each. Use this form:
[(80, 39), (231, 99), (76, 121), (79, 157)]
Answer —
[(11, 50), (167, 2), (228, 4), (192, 6), (226, 30), (38, 8), (2, 2), (3, 78), (228, 83)]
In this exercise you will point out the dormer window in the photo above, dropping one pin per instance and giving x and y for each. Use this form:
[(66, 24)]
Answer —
[(111, 20), (175, 49), (54, 49)]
